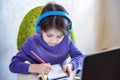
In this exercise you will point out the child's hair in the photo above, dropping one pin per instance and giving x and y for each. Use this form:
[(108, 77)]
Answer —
[(54, 21)]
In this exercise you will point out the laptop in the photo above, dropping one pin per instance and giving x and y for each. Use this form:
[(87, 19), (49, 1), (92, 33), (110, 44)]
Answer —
[(104, 65)]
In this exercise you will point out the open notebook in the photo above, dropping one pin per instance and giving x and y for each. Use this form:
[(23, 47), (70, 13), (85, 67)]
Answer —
[(57, 73)]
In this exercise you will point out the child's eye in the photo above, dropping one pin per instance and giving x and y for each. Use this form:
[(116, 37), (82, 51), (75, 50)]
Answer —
[(49, 35), (59, 37)]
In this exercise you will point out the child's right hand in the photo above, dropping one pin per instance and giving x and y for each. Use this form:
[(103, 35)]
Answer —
[(40, 68)]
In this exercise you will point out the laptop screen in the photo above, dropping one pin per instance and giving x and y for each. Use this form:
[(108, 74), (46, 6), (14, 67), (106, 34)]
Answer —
[(102, 66)]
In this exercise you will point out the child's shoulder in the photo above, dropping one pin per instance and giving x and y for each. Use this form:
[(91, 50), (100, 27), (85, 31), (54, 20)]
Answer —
[(67, 40), (32, 37)]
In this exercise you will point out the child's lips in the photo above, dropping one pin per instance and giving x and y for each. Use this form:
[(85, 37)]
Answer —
[(52, 44)]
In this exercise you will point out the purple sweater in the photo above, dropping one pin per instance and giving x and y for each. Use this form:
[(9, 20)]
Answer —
[(50, 54)]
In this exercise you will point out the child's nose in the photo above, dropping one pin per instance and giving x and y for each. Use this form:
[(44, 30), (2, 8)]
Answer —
[(55, 40)]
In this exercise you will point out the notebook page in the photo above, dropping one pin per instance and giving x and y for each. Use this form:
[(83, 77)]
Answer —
[(57, 72)]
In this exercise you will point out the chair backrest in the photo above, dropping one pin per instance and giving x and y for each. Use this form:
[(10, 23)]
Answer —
[(27, 27)]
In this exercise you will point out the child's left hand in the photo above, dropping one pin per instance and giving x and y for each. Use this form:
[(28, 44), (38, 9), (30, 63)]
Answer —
[(68, 68)]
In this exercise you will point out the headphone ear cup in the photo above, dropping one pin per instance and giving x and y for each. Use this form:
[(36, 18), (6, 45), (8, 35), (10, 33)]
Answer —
[(38, 29), (68, 33)]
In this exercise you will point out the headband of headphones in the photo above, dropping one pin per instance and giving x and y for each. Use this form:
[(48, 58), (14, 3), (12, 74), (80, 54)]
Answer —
[(50, 13)]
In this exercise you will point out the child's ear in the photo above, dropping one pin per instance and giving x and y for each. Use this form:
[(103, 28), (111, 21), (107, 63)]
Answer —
[(41, 31)]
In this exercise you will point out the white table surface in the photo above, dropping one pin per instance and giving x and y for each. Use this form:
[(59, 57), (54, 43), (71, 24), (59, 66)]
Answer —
[(34, 77)]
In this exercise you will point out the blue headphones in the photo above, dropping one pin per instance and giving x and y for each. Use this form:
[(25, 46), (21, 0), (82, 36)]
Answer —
[(50, 13)]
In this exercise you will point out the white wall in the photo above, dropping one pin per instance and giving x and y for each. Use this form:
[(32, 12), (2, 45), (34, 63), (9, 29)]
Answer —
[(112, 24), (86, 30), (109, 24)]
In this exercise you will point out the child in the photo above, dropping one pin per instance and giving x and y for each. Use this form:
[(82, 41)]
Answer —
[(51, 43)]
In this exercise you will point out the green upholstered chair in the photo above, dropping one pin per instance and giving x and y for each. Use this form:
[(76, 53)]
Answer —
[(27, 27)]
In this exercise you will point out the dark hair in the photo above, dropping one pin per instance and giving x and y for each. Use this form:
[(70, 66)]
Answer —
[(54, 21)]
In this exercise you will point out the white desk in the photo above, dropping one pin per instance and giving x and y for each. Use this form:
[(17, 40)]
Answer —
[(34, 77)]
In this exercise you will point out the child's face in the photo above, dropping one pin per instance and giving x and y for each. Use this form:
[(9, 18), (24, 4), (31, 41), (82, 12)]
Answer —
[(53, 37)]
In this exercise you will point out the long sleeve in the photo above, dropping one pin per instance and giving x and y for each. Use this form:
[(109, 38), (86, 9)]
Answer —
[(76, 56), (50, 54), (18, 64)]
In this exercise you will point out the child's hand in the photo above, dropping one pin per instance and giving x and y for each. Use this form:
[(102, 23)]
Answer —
[(68, 68), (40, 68)]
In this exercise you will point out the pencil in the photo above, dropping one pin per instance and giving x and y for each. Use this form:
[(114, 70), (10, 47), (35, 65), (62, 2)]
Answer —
[(37, 57), (42, 77)]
